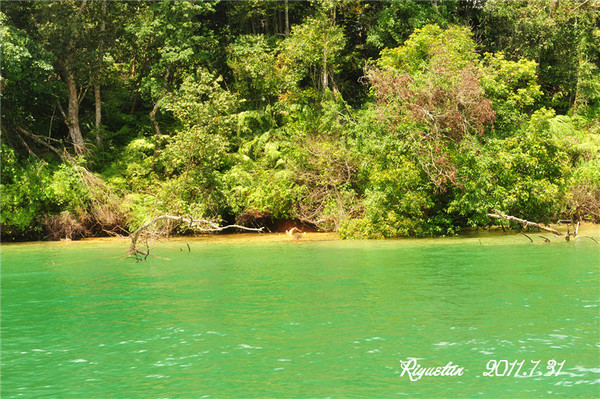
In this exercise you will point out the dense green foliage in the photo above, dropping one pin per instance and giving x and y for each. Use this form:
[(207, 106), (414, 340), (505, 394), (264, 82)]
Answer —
[(373, 119)]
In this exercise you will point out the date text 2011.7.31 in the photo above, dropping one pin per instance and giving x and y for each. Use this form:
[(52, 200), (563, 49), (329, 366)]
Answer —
[(522, 368)]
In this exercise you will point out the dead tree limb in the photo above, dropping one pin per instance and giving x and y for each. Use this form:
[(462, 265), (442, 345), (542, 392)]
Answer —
[(592, 238), (499, 215), (63, 155), (527, 236), (200, 225)]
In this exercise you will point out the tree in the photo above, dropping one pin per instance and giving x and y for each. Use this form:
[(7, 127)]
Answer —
[(428, 91), (197, 153), (99, 69), (311, 51), (74, 36), (558, 35), (169, 42), (24, 82), (513, 88), (252, 60), (64, 32), (268, 17), (523, 173), (397, 20), (376, 119)]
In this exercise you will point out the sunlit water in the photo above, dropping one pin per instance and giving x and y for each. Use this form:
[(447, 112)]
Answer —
[(235, 319)]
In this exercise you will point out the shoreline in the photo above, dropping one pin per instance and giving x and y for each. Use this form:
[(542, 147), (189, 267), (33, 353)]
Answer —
[(473, 233)]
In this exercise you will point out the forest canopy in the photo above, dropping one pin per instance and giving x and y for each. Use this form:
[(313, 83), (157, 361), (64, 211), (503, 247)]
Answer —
[(372, 119)]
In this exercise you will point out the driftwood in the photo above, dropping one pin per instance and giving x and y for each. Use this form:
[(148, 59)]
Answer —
[(499, 215), (200, 225)]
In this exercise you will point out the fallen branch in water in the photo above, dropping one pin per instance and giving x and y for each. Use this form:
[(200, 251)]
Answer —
[(527, 236), (544, 238), (140, 255), (201, 225), (591, 238), (499, 215)]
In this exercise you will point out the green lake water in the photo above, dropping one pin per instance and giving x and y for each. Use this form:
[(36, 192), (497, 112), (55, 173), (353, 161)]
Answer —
[(299, 319)]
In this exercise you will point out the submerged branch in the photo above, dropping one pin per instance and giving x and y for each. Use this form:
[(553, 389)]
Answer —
[(527, 236), (200, 225)]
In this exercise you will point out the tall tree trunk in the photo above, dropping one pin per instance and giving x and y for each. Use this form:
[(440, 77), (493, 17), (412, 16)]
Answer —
[(325, 80), (156, 132), (135, 99), (72, 115), (97, 98), (98, 103), (278, 27), (155, 125), (72, 119), (334, 16), (287, 19)]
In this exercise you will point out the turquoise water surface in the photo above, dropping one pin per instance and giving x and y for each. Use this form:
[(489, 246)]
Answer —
[(299, 319)]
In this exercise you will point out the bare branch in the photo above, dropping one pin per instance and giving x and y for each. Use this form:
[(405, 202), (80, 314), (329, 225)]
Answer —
[(202, 225), (500, 215), (578, 6), (43, 141), (61, 109), (82, 93)]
